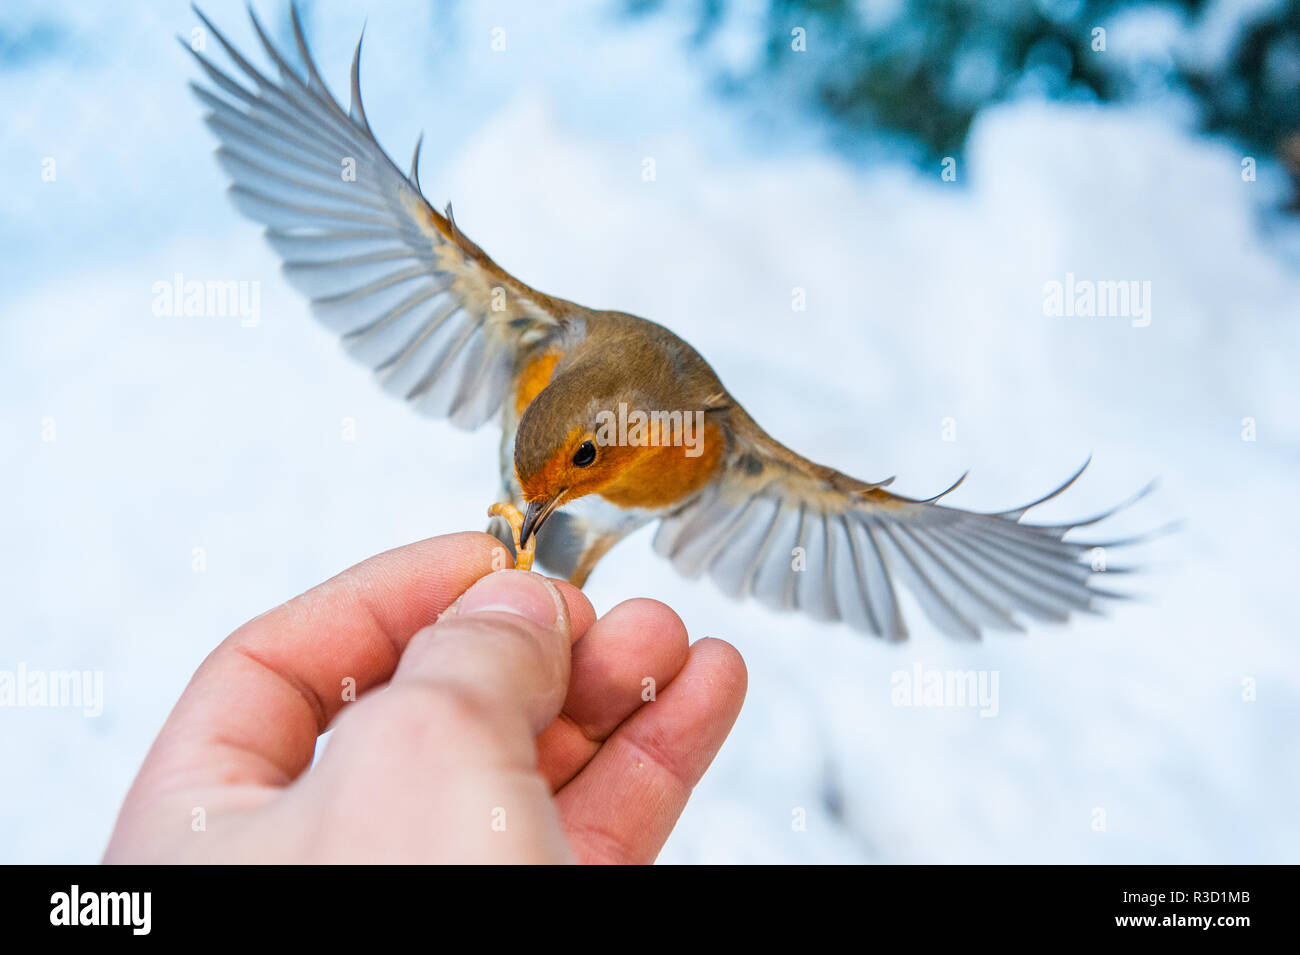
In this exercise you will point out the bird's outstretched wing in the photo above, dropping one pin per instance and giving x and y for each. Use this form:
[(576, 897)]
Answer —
[(800, 536), (441, 323)]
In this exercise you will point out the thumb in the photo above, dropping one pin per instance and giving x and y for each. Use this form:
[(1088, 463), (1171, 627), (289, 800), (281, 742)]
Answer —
[(453, 736), (505, 643)]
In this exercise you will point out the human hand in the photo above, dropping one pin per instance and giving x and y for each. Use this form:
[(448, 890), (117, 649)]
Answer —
[(493, 740)]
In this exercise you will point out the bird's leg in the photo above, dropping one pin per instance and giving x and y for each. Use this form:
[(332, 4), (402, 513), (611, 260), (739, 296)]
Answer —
[(590, 557)]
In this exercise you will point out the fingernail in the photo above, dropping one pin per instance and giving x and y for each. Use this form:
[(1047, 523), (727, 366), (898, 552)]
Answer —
[(512, 591)]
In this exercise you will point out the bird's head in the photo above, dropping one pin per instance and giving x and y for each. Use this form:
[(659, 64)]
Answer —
[(580, 436), (561, 454)]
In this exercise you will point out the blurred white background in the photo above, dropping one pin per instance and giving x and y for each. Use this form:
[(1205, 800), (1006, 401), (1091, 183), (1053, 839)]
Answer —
[(924, 303)]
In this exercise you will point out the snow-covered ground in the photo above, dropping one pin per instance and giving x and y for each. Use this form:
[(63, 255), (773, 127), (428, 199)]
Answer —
[(1127, 738)]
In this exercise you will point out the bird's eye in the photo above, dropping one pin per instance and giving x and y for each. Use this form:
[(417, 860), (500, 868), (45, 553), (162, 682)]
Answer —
[(585, 454)]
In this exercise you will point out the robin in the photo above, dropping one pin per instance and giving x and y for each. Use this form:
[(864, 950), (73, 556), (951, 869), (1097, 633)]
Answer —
[(609, 421)]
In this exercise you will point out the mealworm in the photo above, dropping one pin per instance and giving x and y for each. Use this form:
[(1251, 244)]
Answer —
[(523, 555)]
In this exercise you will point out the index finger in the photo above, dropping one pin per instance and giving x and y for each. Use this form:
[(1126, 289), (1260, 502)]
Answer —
[(253, 710)]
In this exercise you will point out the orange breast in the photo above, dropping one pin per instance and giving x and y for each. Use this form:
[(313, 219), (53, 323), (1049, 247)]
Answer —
[(663, 476)]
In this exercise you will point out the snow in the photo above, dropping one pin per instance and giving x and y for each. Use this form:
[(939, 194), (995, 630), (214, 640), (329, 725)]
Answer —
[(925, 303)]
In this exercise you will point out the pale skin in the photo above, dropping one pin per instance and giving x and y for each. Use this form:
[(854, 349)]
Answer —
[(512, 727)]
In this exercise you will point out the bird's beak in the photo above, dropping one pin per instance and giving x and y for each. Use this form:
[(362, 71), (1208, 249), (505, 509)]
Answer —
[(536, 515)]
